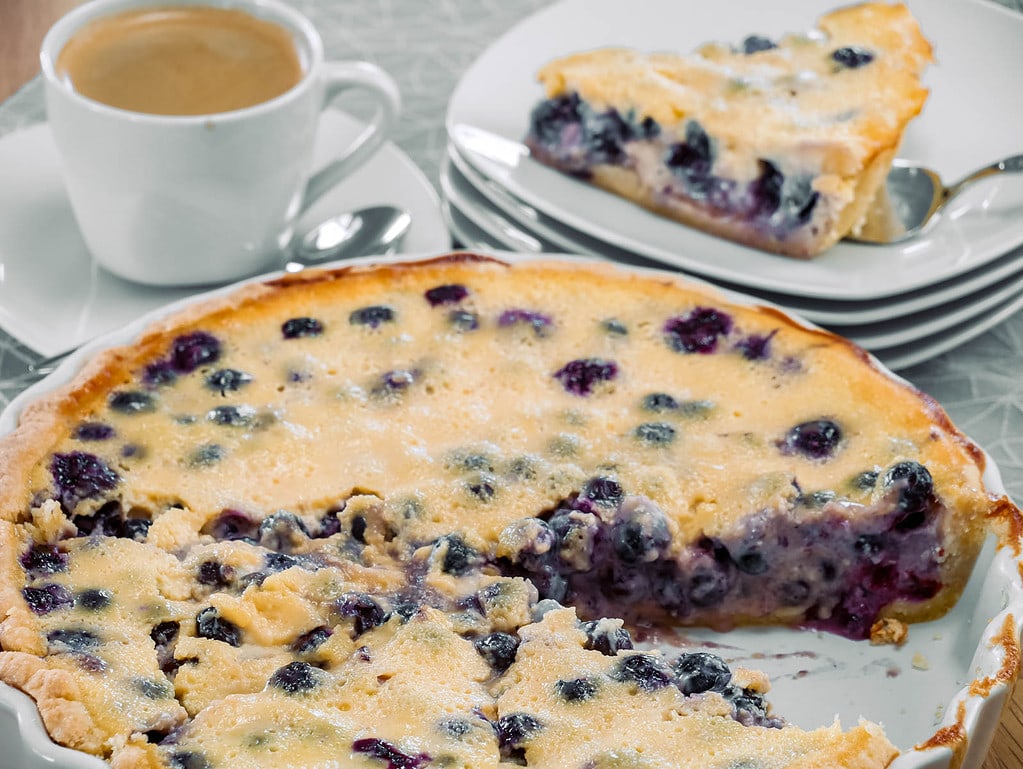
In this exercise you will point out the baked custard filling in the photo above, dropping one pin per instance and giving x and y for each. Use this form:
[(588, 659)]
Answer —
[(289, 521)]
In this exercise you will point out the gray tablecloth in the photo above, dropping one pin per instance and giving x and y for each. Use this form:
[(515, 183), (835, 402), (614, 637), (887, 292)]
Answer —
[(427, 46)]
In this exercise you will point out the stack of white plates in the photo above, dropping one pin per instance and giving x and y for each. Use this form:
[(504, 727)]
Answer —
[(905, 303)]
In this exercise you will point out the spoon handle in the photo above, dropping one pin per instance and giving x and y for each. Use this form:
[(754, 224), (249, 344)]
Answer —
[(1009, 165)]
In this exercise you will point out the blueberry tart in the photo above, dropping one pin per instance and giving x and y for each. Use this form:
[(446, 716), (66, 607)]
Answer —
[(386, 515), (777, 144)]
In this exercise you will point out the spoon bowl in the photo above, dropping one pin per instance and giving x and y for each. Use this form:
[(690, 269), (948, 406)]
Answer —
[(912, 198), (367, 231)]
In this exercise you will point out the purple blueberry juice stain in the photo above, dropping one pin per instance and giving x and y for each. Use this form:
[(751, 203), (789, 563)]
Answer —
[(838, 573), (387, 752), (697, 332), (756, 346), (47, 598), (539, 322), (94, 431)]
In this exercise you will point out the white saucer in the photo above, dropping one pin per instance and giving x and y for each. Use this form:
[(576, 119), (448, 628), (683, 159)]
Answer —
[(53, 296), (961, 128)]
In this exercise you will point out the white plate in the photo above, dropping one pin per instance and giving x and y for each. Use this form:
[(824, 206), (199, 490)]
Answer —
[(918, 335), (486, 194), (971, 118), (53, 296), (816, 676)]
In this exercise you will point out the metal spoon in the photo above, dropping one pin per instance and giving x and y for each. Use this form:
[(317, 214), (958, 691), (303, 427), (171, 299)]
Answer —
[(365, 232), (912, 198)]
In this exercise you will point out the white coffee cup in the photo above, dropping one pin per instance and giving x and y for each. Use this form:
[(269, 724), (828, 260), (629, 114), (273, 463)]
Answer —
[(193, 200)]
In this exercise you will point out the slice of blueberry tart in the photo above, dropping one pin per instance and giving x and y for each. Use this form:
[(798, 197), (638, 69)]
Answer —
[(777, 144), (337, 515)]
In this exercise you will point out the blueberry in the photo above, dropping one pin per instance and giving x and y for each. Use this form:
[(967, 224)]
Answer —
[(604, 492), (189, 760), (786, 201), (852, 56), (498, 649), (298, 328), (816, 439), (700, 672), (365, 612), (648, 672), (639, 534), (757, 43), (94, 600), (215, 574), (232, 416), (372, 316), (647, 128), (385, 751), (164, 635), (914, 483), (190, 351), (396, 381), (655, 433), (749, 708), (131, 402), (41, 559), (766, 190), (277, 562), (692, 159), (576, 689), (483, 487), (206, 455), (794, 592), (358, 528), (549, 118), (79, 476), (464, 320), (227, 380), (698, 331), (153, 689), (751, 561), (515, 730), (295, 677), (615, 327), (94, 431), (580, 376), (311, 641), (451, 293), (46, 598), (159, 372), (604, 136), (606, 637), (209, 624), (72, 640), (231, 525), (708, 586), (537, 320), (455, 727), (458, 556), (659, 402), (282, 532)]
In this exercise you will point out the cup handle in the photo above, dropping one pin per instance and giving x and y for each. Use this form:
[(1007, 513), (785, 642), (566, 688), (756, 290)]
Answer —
[(339, 77)]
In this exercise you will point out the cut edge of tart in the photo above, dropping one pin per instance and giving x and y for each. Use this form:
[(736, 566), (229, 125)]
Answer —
[(779, 145), (54, 529)]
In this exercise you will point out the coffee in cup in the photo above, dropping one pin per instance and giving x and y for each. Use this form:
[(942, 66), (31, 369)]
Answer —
[(189, 60), (186, 177)]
